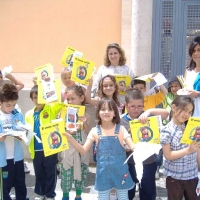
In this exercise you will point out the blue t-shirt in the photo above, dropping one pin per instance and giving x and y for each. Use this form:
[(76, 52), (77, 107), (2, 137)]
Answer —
[(37, 146)]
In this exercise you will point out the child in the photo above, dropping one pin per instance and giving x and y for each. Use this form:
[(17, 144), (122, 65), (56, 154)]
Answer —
[(108, 87), (109, 137), (73, 166), (66, 80), (134, 103), (180, 163), (45, 167), (173, 86), (11, 157), (149, 101)]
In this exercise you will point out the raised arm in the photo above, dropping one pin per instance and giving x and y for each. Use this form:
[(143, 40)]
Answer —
[(163, 89), (19, 85), (153, 111), (93, 102)]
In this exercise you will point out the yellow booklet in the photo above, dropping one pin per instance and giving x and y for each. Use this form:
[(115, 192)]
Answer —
[(44, 71), (148, 132), (68, 56), (52, 139), (41, 93), (123, 82), (82, 70), (192, 131), (70, 119)]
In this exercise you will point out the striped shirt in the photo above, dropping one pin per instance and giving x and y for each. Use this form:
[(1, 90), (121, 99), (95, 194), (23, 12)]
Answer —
[(184, 168)]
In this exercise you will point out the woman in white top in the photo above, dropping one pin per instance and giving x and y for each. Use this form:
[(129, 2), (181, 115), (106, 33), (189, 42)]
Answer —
[(114, 63), (192, 74)]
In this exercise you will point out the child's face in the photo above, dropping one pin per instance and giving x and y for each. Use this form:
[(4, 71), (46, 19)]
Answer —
[(105, 113), (140, 87), (35, 101), (8, 106), (175, 87), (108, 87), (66, 79), (134, 107), (73, 98), (181, 115)]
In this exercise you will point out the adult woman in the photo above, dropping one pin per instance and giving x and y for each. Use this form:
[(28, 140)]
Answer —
[(114, 63), (192, 74)]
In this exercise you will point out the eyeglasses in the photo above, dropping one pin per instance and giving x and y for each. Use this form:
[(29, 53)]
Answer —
[(136, 107)]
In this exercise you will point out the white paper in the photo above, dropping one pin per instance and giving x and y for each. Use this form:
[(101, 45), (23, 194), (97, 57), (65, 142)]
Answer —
[(14, 133), (6, 70), (143, 151), (71, 119), (49, 90), (152, 91), (29, 134), (159, 79)]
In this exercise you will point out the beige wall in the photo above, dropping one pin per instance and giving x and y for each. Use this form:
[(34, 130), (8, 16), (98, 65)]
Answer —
[(37, 32)]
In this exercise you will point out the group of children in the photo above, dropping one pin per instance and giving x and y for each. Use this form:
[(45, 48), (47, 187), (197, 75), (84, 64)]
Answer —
[(111, 137)]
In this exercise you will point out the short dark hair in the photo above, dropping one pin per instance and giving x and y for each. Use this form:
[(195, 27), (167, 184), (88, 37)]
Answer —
[(34, 90), (134, 94), (8, 92), (112, 106), (137, 81)]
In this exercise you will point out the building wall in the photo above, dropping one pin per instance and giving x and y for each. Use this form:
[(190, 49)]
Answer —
[(37, 32)]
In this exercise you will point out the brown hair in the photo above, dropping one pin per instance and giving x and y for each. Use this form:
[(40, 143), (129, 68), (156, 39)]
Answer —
[(8, 92), (122, 60), (34, 90), (112, 106), (78, 90), (134, 94), (115, 94)]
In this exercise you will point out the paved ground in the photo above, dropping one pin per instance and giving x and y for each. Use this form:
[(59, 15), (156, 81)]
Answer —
[(89, 193)]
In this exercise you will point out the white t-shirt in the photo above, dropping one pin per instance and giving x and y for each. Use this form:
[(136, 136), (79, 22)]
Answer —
[(9, 141)]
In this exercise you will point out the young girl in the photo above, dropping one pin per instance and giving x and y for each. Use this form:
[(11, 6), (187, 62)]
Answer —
[(109, 136), (180, 163), (73, 166), (66, 80), (108, 87)]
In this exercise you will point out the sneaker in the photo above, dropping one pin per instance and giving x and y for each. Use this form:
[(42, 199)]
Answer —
[(39, 198), (49, 198), (113, 196), (12, 193), (26, 169)]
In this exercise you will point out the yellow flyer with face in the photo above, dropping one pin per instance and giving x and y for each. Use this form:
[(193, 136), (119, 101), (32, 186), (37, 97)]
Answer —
[(123, 82), (44, 72), (192, 131), (148, 132), (53, 140), (42, 98), (68, 56), (69, 118), (82, 70)]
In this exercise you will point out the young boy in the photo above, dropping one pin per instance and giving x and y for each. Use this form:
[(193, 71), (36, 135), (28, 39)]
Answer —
[(11, 156), (134, 103), (173, 86), (153, 100), (45, 167)]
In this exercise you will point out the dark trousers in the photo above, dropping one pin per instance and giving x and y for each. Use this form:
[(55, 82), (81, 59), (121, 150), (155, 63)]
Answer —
[(131, 192), (45, 174), (177, 189), (13, 176), (147, 190), (159, 158)]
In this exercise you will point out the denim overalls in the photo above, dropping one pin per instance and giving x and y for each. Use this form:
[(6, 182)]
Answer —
[(111, 170)]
